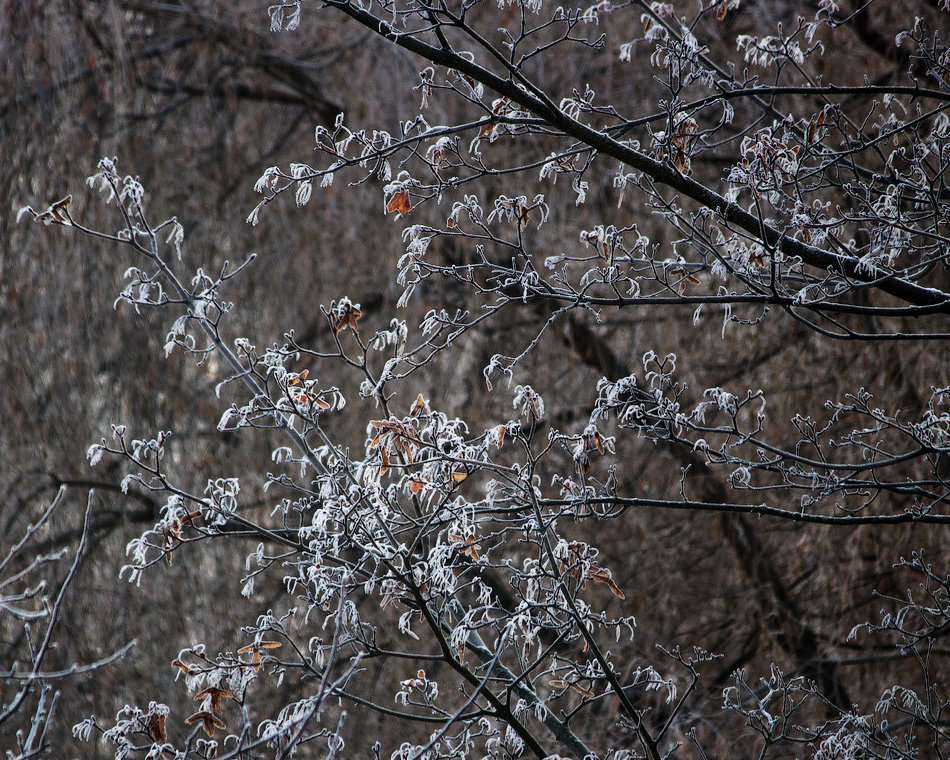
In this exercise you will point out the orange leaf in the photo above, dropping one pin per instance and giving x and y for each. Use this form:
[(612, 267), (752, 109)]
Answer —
[(399, 203), (500, 436)]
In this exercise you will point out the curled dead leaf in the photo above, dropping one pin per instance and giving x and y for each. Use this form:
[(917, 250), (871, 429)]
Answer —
[(209, 721), (255, 649), (155, 728), (214, 695), (399, 203)]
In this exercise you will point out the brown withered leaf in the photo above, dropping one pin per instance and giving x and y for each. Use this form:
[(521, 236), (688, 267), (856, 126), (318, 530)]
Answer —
[(298, 377), (58, 209), (395, 436), (603, 575), (399, 203), (345, 317), (56, 213), (186, 669), (469, 545), (499, 436), (813, 126), (684, 278), (155, 728), (216, 695), (681, 161), (209, 721), (255, 649)]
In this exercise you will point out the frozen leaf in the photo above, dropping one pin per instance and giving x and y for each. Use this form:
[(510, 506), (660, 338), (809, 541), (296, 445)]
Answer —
[(209, 721), (399, 203)]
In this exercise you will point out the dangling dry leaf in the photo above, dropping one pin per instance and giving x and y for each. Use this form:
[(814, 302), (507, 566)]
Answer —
[(345, 315), (216, 695), (469, 546), (603, 575), (209, 721), (582, 690), (186, 669), (813, 126), (255, 649), (499, 436), (399, 203), (155, 728)]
